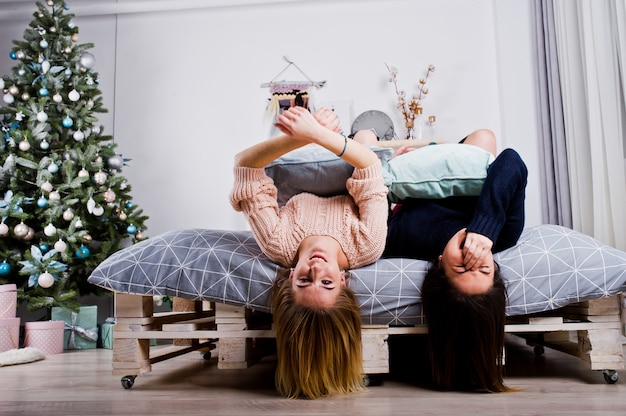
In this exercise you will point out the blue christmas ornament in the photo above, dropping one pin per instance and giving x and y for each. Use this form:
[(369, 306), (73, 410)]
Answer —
[(82, 252), (53, 168), (13, 55), (5, 268), (44, 248), (42, 202), (43, 91), (129, 205), (67, 122), (131, 229), (66, 6)]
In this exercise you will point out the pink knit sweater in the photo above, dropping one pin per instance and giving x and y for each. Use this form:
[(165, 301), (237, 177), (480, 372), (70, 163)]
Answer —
[(357, 221)]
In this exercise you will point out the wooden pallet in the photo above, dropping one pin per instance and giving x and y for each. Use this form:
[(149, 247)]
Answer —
[(589, 330)]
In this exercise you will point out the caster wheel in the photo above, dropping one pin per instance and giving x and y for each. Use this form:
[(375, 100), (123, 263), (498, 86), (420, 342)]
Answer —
[(610, 376), (539, 350), (372, 380), (207, 355), (128, 381)]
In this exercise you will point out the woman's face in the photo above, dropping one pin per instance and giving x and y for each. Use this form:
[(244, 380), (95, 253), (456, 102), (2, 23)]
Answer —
[(471, 282), (316, 279)]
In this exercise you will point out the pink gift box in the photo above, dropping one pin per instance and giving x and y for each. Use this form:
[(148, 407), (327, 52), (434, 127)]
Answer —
[(8, 301), (45, 335), (9, 334)]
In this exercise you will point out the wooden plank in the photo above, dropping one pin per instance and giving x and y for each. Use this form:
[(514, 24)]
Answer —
[(375, 350), (601, 349), (133, 305), (190, 325)]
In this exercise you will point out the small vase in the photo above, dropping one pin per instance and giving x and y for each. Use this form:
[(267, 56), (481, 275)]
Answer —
[(45, 335), (409, 130)]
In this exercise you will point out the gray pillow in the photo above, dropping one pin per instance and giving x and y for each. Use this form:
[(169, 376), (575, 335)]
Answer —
[(550, 267), (315, 170)]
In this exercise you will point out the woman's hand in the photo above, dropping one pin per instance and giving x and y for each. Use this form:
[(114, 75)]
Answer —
[(402, 150), (327, 118), (300, 124), (475, 249)]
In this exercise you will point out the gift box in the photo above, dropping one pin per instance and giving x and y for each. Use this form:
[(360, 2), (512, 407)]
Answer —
[(81, 328), (8, 301), (9, 334), (106, 334), (44, 335)]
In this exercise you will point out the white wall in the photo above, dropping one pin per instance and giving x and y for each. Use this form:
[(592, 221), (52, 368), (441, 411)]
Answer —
[(183, 86)]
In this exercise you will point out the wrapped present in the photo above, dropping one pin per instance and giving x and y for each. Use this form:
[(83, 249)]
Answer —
[(81, 329), (106, 334)]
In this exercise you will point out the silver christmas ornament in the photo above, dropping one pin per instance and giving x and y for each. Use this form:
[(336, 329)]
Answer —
[(115, 162), (87, 60), (20, 230)]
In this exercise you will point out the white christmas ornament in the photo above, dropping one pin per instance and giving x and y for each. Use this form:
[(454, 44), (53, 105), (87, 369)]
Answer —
[(42, 116), (4, 229), (46, 186), (68, 215), (98, 211), (73, 95), (54, 196), (53, 168), (57, 98), (50, 230), (44, 145), (79, 223), (91, 204), (83, 173), (45, 65), (100, 178), (60, 246), (1, 84), (78, 136), (45, 280), (24, 146)]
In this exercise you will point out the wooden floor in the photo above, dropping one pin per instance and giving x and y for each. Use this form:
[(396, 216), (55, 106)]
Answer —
[(80, 383)]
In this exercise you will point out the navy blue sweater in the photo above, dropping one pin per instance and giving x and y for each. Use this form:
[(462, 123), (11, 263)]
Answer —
[(421, 228)]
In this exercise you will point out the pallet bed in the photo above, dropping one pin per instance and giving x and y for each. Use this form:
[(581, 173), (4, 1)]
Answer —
[(563, 292)]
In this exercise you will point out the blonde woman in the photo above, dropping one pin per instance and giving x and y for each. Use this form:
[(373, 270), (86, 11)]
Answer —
[(318, 239)]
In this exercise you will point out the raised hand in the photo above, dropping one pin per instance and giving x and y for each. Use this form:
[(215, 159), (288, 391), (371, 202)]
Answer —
[(475, 249)]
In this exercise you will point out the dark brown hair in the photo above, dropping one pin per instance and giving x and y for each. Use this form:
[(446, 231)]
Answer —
[(465, 333)]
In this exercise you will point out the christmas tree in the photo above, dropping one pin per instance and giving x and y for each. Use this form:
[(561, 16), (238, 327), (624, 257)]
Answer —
[(65, 206)]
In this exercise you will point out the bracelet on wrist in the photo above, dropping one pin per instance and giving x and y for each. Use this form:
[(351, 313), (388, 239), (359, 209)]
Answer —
[(345, 146)]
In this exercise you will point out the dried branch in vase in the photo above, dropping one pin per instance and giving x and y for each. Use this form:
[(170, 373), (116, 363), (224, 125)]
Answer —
[(409, 109)]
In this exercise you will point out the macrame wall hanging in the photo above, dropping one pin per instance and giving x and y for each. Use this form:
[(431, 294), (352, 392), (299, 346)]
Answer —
[(286, 94)]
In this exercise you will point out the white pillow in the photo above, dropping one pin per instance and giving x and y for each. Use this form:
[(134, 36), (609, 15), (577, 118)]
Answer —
[(437, 171)]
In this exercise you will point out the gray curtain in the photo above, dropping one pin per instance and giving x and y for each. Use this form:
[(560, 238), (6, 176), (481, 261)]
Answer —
[(555, 189)]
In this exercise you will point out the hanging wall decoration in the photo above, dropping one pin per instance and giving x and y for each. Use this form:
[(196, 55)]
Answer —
[(286, 94)]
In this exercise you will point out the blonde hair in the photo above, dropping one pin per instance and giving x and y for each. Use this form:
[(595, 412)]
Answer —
[(319, 349)]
